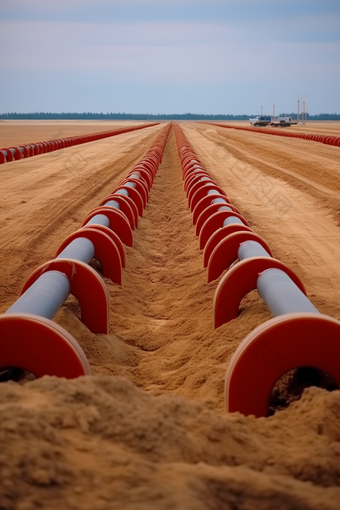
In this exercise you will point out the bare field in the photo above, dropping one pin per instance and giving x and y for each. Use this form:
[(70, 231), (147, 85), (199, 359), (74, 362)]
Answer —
[(148, 429), (16, 132)]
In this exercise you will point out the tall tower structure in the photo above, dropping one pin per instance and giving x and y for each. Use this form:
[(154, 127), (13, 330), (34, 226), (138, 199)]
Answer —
[(304, 111), (298, 109)]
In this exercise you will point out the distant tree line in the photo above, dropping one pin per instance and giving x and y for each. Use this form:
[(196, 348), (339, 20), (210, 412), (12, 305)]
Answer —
[(119, 116), (148, 116)]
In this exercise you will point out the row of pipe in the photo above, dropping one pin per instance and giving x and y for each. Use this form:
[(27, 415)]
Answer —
[(297, 336), (326, 139), (29, 339), (34, 149)]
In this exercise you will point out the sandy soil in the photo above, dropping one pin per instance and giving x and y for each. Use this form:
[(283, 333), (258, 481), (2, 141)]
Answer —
[(16, 132), (148, 430)]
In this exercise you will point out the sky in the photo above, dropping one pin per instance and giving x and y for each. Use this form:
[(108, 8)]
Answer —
[(169, 56)]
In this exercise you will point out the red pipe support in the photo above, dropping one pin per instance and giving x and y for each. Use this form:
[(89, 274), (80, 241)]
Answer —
[(37, 344), (277, 345), (274, 348)]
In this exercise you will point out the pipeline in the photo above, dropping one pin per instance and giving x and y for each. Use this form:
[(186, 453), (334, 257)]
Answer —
[(326, 139), (297, 336), (34, 149), (29, 339)]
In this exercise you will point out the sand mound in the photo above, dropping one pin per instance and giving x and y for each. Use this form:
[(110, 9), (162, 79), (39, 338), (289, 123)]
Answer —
[(101, 443)]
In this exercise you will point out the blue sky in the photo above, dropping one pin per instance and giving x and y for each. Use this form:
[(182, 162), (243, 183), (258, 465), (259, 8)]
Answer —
[(169, 56)]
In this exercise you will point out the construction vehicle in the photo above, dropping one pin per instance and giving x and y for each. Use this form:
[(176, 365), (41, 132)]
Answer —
[(283, 122)]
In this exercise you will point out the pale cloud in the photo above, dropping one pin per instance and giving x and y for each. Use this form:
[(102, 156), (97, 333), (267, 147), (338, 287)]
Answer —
[(72, 4), (149, 52), (278, 57), (33, 37)]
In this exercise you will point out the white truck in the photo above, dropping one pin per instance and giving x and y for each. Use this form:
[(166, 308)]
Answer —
[(261, 120)]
